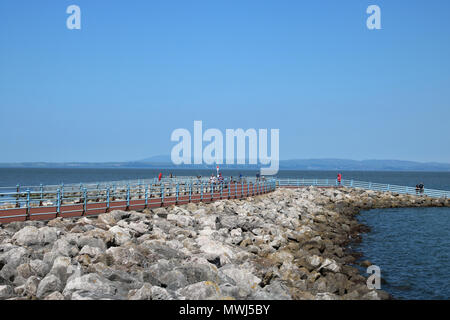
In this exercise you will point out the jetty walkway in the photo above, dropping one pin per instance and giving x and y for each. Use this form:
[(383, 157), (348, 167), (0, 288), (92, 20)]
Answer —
[(41, 202)]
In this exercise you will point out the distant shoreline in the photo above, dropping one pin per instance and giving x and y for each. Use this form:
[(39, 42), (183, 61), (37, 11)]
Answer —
[(222, 169), (296, 164)]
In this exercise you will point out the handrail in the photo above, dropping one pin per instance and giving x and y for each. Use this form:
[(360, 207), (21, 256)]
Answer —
[(166, 191), (299, 182)]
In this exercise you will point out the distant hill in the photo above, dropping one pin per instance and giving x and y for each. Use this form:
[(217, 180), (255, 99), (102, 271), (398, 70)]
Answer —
[(164, 162)]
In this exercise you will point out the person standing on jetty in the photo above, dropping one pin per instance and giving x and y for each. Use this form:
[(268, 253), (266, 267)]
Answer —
[(339, 177), (159, 176), (421, 187)]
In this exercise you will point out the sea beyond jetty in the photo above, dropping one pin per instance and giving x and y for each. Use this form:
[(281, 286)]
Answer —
[(288, 244)]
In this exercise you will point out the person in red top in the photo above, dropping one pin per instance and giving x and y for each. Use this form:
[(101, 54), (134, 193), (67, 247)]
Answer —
[(339, 177), (159, 176)]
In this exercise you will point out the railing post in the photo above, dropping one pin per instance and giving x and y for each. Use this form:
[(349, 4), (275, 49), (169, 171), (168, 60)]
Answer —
[(162, 194), (62, 193), (58, 203), (177, 191), (229, 190), (128, 197), (42, 195), (84, 201), (221, 191), (146, 196), (242, 189), (201, 192), (28, 204), (17, 196), (139, 188), (351, 183), (388, 187), (190, 191)]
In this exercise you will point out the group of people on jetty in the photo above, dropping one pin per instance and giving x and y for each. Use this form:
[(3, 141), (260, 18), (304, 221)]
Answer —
[(219, 179)]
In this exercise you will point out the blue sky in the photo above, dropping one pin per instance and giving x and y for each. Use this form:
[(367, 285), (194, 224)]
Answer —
[(137, 70)]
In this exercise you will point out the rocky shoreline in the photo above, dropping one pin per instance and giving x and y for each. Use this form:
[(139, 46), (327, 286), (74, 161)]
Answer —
[(288, 244)]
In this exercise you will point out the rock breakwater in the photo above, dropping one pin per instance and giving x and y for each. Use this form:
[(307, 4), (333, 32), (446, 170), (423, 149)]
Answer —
[(289, 244)]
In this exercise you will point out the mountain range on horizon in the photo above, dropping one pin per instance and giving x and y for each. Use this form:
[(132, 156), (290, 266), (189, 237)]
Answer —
[(164, 162)]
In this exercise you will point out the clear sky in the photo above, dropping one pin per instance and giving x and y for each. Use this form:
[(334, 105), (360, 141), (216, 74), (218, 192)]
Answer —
[(116, 89)]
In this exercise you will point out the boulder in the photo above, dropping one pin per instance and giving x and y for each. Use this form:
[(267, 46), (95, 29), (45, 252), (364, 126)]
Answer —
[(63, 248), (126, 256), (54, 296), (48, 285), (62, 268), (121, 236), (182, 221), (14, 257), (91, 251), (6, 292), (31, 286), (205, 290), (27, 236), (243, 278), (92, 285), (144, 293)]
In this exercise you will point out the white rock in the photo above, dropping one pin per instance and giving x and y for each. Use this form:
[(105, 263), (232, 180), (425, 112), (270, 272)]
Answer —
[(242, 277), (49, 284), (91, 283), (121, 236)]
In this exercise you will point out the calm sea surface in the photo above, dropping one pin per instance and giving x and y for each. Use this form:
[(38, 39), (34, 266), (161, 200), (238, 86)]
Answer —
[(411, 246)]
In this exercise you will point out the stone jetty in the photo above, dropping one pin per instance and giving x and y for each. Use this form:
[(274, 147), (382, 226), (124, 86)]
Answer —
[(289, 244)]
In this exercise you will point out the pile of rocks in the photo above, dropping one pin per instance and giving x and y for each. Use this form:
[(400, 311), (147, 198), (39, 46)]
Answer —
[(289, 244)]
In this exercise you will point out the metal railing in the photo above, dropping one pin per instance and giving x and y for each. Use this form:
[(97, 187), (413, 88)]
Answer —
[(28, 202), (83, 199), (363, 185)]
